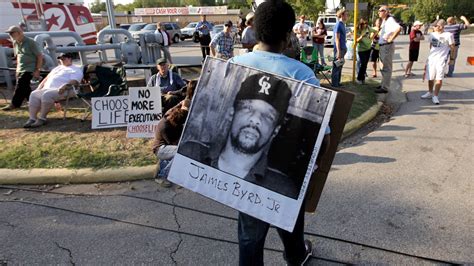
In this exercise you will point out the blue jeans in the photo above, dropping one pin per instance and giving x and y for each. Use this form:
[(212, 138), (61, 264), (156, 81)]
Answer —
[(337, 71), (165, 154), (320, 49), (252, 233)]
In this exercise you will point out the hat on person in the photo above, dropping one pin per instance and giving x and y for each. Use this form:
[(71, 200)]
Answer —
[(267, 88), (12, 29), (161, 60), (68, 55), (417, 23), (228, 23), (250, 15)]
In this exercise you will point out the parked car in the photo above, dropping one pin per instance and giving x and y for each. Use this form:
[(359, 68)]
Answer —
[(218, 28), (134, 28), (125, 26), (108, 37), (329, 34), (172, 29), (188, 31)]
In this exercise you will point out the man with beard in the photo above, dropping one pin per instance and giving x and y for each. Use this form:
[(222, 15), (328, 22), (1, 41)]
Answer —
[(257, 114)]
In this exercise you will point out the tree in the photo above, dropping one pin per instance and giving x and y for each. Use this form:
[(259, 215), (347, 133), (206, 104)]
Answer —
[(97, 7), (309, 8), (428, 10), (460, 8), (407, 16)]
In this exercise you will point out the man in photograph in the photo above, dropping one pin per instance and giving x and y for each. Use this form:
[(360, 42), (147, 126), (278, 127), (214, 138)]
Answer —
[(256, 117)]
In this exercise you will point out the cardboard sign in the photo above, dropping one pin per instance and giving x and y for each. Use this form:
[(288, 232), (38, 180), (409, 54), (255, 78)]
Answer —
[(144, 112), (109, 112), (251, 140)]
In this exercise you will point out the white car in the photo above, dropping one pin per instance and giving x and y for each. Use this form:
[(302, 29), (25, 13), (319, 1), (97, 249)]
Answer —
[(188, 31), (329, 35), (218, 28)]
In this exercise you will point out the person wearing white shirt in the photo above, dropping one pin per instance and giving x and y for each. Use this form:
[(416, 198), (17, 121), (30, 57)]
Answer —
[(52, 89), (165, 41), (301, 29), (388, 32), (441, 44)]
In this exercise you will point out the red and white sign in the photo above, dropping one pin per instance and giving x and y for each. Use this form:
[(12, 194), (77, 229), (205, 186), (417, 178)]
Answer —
[(170, 11)]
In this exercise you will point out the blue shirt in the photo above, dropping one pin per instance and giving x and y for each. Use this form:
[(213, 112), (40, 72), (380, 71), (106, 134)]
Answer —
[(204, 31), (165, 84), (278, 64), (341, 29)]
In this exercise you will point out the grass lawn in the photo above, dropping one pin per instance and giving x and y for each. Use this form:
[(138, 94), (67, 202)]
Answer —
[(71, 143)]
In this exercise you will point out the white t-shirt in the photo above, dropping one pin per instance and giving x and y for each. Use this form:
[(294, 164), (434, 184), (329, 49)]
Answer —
[(388, 28), (301, 30), (61, 75), (163, 34), (440, 43)]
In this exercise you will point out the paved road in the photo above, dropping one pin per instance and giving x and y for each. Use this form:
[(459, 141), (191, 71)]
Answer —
[(402, 191)]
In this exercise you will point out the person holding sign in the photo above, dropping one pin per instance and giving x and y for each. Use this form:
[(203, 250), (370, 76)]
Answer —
[(273, 23)]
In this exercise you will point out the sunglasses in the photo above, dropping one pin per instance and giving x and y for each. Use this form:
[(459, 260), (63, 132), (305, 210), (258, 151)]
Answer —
[(227, 25), (383, 10)]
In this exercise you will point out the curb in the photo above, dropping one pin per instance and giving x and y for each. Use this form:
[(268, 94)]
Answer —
[(74, 176), (360, 121)]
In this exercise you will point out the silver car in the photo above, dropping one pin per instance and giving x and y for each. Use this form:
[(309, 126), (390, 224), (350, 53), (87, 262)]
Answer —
[(172, 29), (188, 31)]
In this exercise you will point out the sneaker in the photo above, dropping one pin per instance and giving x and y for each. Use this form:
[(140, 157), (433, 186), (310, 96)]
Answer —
[(163, 182), (8, 108), (39, 123), (380, 90), (360, 82), (29, 123), (308, 252), (427, 95), (435, 100)]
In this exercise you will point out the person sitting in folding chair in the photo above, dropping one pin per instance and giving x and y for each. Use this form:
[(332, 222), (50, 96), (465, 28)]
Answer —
[(52, 89)]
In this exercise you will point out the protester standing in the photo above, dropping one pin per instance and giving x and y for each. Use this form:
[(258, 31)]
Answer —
[(29, 60), (224, 42), (248, 36), (204, 28), (301, 29), (375, 49), (340, 47), (165, 41), (441, 44), (455, 29), (414, 49), (363, 48), (319, 36), (390, 29), (273, 24)]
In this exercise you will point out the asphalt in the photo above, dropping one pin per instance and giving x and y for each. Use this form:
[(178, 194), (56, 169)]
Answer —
[(401, 194)]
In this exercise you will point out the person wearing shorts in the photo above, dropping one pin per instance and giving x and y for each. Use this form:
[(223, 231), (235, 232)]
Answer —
[(441, 43), (374, 53), (414, 50)]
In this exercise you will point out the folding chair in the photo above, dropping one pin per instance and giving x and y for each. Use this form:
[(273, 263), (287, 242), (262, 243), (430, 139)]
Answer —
[(103, 81), (313, 62)]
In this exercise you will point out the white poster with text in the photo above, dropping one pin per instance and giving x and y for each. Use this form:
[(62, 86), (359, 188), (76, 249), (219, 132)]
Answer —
[(144, 112)]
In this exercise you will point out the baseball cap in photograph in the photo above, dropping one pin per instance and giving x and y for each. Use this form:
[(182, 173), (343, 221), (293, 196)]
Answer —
[(12, 29)]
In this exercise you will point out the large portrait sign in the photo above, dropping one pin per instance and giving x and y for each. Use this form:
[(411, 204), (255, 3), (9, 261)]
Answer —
[(251, 140), (144, 112)]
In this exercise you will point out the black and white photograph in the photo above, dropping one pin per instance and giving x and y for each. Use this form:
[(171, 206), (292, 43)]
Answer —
[(251, 139)]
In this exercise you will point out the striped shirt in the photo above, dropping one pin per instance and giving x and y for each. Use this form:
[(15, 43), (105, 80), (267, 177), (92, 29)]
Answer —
[(455, 29), (224, 43)]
